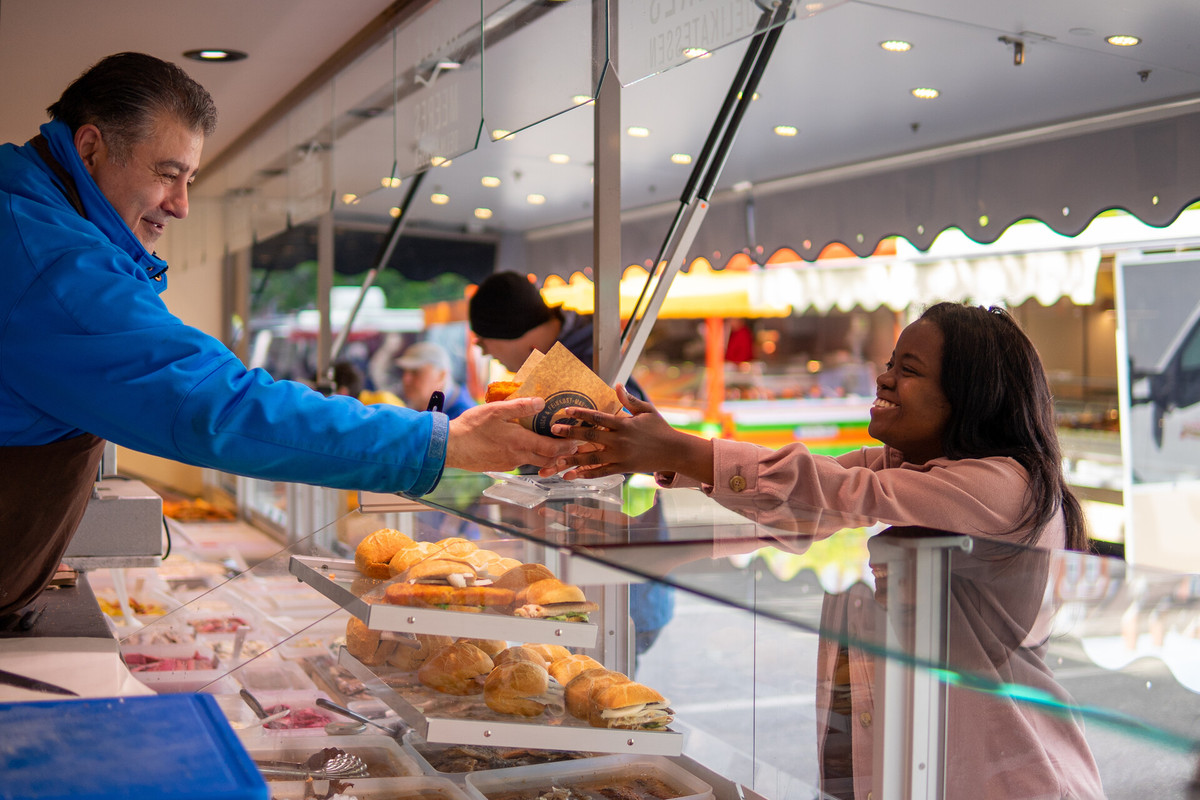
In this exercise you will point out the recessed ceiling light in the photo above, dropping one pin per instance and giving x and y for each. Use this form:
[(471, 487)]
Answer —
[(535, 199), (483, 213), (559, 158), (389, 182), (637, 131), (925, 93), (214, 54), (786, 130), (694, 52), (439, 199), (896, 46), (580, 99), (394, 212), (1122, 40), (680, 158), (500, 133), (490, 181), (439, 161), (349, 199)]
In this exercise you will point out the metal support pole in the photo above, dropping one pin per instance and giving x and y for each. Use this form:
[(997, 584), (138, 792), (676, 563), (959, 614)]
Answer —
[(606, 196)]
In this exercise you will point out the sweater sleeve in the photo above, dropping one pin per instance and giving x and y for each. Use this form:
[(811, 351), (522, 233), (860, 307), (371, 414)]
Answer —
[(972, 496)]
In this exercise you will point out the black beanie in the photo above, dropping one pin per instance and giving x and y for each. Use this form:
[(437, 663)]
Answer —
[(506, 306)]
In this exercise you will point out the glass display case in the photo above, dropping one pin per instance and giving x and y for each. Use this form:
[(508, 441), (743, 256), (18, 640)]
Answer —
[(802, 653)]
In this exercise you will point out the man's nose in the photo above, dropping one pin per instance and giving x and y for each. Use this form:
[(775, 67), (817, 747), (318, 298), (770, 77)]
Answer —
[(177, 201)]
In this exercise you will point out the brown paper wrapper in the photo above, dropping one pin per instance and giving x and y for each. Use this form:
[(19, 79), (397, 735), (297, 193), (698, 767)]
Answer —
[(563, 381)]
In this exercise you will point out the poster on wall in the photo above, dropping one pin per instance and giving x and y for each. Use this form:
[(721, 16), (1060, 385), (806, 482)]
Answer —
[(1158, 312)]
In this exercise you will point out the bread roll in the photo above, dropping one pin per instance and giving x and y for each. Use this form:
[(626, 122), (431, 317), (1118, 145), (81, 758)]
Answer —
[(578, 690), (411, 653), (455, 669), (376, 550), (550, 652), (502, 566), (454, 546), (490, 646), (441, 570), (552, 590), (520, 653), (522, 575), (564, 669), (366, 644), (511, 687), (627, 705), (405, 557)]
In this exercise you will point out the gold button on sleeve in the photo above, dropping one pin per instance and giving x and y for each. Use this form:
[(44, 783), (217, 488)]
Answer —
[(737, 483)]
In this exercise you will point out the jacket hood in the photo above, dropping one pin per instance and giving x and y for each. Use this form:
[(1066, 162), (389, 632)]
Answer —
[(96, 206)]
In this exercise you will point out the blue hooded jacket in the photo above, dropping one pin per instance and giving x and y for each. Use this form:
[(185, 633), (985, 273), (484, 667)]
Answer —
[(87, 345)]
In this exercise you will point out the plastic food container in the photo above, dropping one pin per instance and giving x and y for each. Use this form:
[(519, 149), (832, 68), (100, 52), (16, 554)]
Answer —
[(385, 758), (172, 668), (455, 761), (309, 719), (273, 676), (527, 783), (379, 789)]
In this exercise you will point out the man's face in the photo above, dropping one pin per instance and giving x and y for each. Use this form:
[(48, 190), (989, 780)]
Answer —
[(420, 383), (509, 352), (150, 187)]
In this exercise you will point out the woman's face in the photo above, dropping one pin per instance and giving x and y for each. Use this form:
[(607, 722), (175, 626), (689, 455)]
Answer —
[(911, 411)]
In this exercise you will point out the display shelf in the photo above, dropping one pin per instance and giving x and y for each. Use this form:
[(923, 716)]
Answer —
[(478, 725), (329, 576)]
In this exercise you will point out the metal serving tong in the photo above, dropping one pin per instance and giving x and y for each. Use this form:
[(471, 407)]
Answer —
[(330, 763)]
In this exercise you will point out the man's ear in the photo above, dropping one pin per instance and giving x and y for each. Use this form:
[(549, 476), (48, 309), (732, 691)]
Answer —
[(89, 143)]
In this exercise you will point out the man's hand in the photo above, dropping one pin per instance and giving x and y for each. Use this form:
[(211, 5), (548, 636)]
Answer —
[(639, 442), (487, 437)]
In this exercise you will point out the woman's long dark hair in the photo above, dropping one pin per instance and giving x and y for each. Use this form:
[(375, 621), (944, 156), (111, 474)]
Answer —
[(1001, 405)]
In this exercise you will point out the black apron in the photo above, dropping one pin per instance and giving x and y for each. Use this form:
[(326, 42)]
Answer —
[(44, 490)]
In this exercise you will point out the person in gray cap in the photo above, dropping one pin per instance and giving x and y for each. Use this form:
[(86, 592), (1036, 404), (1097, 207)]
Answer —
[(510, 320), (425, 369)]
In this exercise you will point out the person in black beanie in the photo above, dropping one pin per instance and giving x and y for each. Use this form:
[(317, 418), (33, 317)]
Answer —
[(510, 320)]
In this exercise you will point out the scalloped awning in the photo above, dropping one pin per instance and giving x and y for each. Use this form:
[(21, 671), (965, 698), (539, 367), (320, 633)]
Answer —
[(1150, 169)]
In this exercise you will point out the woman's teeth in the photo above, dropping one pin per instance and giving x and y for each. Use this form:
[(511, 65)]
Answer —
[(881, 403)]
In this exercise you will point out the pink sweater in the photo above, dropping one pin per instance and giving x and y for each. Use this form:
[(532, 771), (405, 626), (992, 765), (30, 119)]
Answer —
[(997, 747)]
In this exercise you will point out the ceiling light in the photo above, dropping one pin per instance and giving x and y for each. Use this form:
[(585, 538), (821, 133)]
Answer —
[(483, 213), (1123, 40), (389, 182), (581, 99), (214, 54), (637, 131), (439, 161), (694, 52), (535, 199), (394, 212), (500, 133), (490, 181), (786, 130), (925, 93), (681, 158), (439, 199), (896, 46), (349, 199), (559, 158)]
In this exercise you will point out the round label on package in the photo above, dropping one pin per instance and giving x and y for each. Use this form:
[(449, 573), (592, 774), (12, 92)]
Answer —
[(552, 413)]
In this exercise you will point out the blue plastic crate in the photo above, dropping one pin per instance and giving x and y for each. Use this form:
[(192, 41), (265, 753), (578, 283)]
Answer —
[(164, 747)]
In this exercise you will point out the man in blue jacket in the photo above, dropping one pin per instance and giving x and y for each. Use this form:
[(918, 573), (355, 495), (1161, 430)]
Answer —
[(88, 351)]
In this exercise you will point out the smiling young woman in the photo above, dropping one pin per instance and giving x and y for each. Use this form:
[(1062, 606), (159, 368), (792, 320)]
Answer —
[(963, 410)]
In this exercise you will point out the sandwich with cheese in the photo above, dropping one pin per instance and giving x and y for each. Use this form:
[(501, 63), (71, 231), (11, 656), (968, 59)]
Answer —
[(553, 599), (629, 706)]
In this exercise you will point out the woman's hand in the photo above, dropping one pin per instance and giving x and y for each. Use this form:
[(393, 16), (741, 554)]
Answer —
[(487, 437), (639, 442)]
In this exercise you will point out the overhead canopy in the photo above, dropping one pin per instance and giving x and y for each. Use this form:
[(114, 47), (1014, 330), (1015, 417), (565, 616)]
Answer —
[(1150, 168)]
